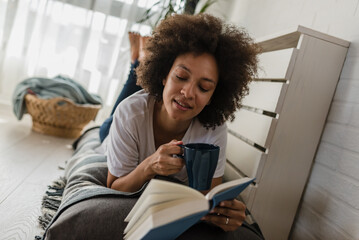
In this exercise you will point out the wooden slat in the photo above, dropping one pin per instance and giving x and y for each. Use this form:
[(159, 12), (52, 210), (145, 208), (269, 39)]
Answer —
[(232, 173), (260, 111), (323, 36), (281, 80), (291, 37), (251, 125), (289, 40), (274, 64), (243, 156), (248, 194), (264, 95)]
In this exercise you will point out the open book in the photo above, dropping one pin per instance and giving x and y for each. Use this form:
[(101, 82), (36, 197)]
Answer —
[(166, 209)]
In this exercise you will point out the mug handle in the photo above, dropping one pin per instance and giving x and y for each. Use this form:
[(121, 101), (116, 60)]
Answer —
[(180, 155)]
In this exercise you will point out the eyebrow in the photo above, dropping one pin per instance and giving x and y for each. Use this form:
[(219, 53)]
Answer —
[(188, 70)]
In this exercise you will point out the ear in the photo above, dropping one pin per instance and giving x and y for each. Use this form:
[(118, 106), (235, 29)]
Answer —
[(164, 81), (209, 102)]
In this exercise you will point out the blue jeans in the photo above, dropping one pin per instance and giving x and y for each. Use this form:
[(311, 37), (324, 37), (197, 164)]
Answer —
[(129, 88)]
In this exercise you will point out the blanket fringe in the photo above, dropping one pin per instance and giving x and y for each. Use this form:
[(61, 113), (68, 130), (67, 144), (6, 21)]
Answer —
[(51, 201)]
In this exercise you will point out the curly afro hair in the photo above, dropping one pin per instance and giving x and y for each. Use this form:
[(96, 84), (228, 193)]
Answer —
[(233, 49)]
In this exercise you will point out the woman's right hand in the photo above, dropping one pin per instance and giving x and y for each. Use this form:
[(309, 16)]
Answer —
[(163, 162)]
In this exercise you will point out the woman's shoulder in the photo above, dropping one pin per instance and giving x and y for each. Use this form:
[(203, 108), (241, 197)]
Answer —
[(138, 103), (209, 135), (197, 126), (140, 98)]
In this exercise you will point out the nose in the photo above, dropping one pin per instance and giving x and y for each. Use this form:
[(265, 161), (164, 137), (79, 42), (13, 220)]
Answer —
[(188, 90)]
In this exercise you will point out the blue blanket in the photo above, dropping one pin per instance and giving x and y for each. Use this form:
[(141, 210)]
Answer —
[(47, 88)]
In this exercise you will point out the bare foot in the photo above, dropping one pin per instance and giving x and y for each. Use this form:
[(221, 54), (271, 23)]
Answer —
[(135, 45), (142, 52)]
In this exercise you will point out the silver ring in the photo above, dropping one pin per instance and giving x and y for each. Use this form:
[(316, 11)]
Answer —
[(227, 221)]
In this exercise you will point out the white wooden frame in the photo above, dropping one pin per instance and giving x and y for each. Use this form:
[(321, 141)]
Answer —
[(279, 144)]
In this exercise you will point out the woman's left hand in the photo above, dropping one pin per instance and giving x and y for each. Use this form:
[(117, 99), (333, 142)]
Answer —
[(229, 215)]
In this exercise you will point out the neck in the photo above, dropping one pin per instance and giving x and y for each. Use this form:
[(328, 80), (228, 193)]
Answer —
[(166, 128)]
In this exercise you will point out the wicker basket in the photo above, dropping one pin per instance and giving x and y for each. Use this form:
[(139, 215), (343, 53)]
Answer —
[(59, 116)]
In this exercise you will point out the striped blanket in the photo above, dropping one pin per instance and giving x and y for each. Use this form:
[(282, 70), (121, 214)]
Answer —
[(85, 178), (80, 206)]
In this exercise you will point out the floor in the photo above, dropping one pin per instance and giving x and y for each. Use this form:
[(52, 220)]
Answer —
[(28, 163)]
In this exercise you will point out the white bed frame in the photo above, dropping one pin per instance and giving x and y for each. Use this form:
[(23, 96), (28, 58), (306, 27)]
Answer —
[(277, 131)]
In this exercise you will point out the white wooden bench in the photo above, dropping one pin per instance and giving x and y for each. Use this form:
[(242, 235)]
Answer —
[(277, 131)]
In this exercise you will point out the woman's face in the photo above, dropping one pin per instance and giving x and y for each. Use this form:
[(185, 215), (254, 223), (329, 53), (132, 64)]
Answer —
[(189, 86)]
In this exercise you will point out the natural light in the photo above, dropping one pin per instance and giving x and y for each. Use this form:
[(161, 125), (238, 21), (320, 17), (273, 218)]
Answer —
[(46, 38)]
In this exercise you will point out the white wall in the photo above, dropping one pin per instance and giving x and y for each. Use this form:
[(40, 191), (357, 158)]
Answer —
[(330, 205)]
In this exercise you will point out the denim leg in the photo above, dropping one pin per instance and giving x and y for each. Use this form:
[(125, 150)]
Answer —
[(105, 128), (128, 89), (130, 86)]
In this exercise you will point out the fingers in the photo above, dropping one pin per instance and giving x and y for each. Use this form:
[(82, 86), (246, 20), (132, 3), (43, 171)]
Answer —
[(169, 163), (175, 142), (233, 204), (229, 215), (226, 223), (171, 148), (233, 209), (164, 162)]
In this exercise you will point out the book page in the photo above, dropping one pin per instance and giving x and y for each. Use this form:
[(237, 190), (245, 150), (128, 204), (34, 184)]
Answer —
[(151, 200), (165, 213), (227, 185), (161, 186)]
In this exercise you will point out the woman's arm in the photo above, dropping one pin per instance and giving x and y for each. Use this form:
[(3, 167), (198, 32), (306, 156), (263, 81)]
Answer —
[(161, 162), (130, 182)]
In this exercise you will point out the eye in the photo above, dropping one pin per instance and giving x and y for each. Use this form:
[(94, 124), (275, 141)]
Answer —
[(180, 78), (203, 89)]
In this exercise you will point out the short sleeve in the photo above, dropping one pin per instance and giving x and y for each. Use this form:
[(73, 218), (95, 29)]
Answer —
[(122, 151)]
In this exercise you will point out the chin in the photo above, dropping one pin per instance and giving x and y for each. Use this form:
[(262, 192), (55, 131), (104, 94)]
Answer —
[(180, 117)]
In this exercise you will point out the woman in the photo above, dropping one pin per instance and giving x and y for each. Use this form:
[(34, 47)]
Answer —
[(195, 72)]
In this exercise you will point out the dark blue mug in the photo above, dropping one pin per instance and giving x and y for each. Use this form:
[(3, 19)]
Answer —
[(201, 162)]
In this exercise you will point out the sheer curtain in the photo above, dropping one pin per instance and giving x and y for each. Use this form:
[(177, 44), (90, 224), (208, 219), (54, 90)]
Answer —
[(86, 40)]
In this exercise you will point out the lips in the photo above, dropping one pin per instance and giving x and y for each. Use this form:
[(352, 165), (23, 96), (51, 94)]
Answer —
[(182, 105)]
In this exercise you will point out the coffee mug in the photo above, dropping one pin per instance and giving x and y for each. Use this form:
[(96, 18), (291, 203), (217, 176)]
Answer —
[(201, 161)]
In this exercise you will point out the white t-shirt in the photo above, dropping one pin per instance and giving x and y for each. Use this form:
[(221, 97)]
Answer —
[(131, 138)]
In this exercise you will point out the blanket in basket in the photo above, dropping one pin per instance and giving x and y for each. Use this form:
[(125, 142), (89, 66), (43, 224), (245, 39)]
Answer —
[(47, 88)]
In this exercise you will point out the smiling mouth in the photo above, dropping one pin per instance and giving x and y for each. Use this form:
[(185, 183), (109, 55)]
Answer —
[(182, 106)]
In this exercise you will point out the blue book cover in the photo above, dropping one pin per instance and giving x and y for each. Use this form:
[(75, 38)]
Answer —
[(174, 229), (166, 210)]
